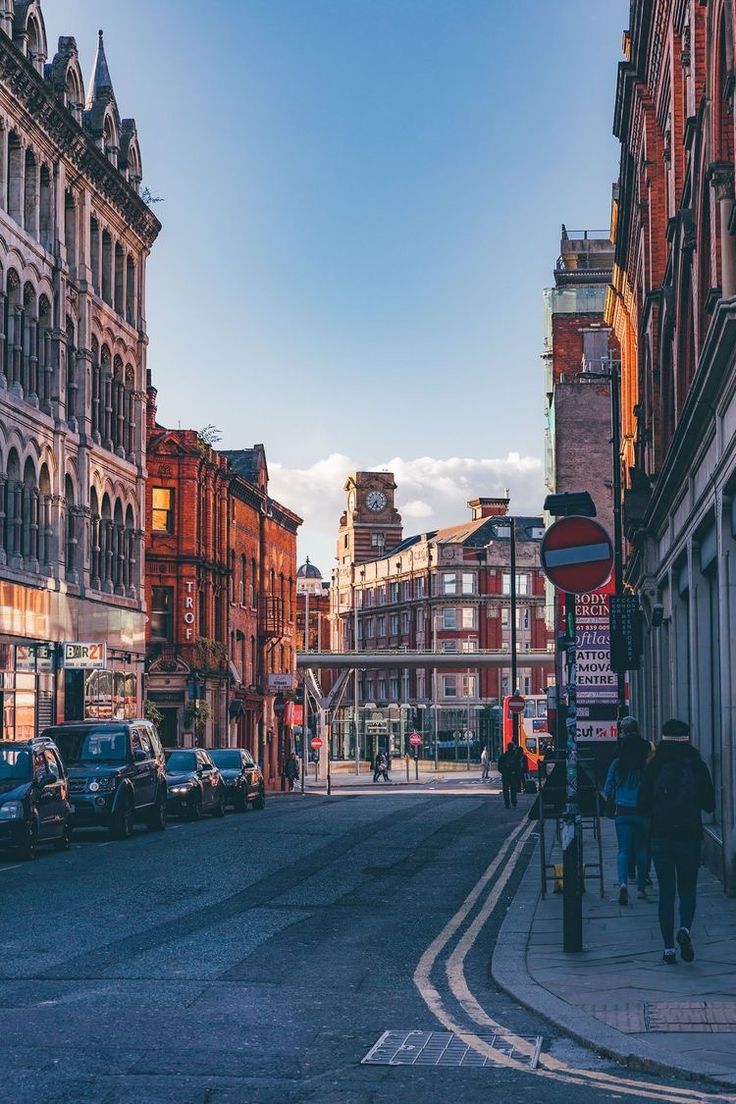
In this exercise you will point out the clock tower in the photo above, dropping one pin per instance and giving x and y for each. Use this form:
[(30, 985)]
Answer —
[(371, 524)]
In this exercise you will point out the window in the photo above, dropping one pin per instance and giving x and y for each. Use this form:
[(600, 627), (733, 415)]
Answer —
[(468, 617), (163, 510), (467, 686), (522, 583), (393, 688), (420, 620), (381, 626), (370, 627), (405, 621), (595, 350), (421, 691), (449, 618), (469, 646), (405, 595), (394, 624), (468, 582), (449, 686), (162, 601), (449, 645), (505, 617), (419, 588), (382, 689), (449, 583), (393, 592)]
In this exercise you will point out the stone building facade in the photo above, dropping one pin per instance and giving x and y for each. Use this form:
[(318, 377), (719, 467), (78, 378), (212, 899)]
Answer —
[(673, 308), (446, 590), (74, 239)]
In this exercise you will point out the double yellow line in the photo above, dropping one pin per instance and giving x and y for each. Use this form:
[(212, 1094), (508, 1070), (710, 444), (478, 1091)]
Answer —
[(495, 878)]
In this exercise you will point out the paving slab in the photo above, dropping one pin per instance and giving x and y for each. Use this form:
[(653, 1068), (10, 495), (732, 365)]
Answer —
[(616, 995)]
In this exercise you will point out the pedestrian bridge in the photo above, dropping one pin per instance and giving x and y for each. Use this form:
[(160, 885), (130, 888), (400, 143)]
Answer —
[(420, 658)]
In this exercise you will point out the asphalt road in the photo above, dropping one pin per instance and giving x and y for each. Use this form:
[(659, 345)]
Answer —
[(261, 958)]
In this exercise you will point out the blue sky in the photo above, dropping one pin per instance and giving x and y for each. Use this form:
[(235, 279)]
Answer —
[(363, 201)]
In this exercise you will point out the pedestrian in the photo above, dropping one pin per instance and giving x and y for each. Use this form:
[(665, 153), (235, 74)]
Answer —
[(377, 766), (485, 765), (381, 767), (291, 770), (510, 766), (632, 826), (676, 789)]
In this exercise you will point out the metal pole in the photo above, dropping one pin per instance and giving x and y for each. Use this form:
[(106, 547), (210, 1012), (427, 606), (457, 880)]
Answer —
[(305, 704), (435, 711), (514, 671), (356, 683), (572, 900), (618, 556)]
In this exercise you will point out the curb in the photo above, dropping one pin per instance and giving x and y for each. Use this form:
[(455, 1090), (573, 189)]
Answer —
[(510, 973)]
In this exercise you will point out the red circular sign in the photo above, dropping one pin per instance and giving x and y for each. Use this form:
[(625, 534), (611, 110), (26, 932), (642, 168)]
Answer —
[(316, 743), (415, 739), (516, 703), (577, 555)]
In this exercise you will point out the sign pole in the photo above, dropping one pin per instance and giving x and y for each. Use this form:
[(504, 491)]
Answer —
[(572, 899), (514, 658)]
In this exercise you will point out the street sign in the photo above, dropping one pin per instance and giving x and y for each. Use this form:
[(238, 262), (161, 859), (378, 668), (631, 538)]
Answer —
[(469, 735), (626, 633), (516, 704), (415, 739), (315, 743), (577, 555)]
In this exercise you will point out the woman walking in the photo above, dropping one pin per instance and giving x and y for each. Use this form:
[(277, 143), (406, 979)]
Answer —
[(632, 825)]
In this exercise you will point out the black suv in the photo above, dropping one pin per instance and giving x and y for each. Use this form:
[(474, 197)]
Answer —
[(116, 774), (242, 777), (34, 797)]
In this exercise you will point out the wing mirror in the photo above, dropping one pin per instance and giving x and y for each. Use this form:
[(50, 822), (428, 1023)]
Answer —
[(139, 755), (46, 779)]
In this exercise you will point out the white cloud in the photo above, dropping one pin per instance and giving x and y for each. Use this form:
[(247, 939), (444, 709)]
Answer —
[(430, 491)]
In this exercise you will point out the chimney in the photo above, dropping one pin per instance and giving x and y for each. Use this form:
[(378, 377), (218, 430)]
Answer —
[(151, 396), (488, 507)]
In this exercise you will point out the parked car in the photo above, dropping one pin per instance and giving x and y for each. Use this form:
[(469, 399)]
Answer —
[(34, 797), (117, 774), (195, 784), (242, 777)]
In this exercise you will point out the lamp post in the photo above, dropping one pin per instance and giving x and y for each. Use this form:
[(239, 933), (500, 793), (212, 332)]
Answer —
[(305, 702), (514, 665)]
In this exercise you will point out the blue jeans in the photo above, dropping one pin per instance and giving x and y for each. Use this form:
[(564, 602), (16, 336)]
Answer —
[(676, 863), (632, 833)]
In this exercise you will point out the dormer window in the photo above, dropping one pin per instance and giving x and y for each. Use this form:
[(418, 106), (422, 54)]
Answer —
[(111, 140)]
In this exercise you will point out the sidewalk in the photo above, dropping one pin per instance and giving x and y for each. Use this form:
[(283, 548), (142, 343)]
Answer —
[(347, 778), (617, 996)]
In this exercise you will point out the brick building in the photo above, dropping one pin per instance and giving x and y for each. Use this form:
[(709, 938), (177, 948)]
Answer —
[(447, 590), (75, 236), (673, 308), (309, 582), (578, 346), (221, 587)]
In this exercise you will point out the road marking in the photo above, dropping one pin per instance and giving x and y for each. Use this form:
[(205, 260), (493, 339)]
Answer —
[(17, 866), (549, 1067)]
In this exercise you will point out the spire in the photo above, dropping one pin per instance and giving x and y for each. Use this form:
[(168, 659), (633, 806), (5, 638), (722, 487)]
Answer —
[(100, 82)]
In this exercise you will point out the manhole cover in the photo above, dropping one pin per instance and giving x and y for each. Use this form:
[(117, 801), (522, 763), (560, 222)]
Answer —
[(443, 1048)]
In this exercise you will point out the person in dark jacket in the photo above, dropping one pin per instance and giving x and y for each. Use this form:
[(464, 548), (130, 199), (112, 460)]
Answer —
[(291, 770), (675, 790), (510, 765)]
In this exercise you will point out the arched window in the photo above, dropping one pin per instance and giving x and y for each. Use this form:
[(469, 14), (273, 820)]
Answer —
[(30, 195), (253, 662), (29, 364), (118, 549), (71, 373), (45, 366), (97, 401), (106, 396), (73, 92), (29, 518), (243, 570), (107, 267), (119, 278), (13, 514), (130, 556), (130, 292), (70, 533), (15, 177), (46, 209), (135, 172), (70, 230), (95, 547), (106, 546), (111, 140), (14, 329), (130, 423), (95, 244), (44, 542), (118, 404), (253, 584), (35, 42)]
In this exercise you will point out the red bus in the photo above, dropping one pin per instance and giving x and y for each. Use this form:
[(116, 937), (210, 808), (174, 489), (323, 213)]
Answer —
[(535, 739)]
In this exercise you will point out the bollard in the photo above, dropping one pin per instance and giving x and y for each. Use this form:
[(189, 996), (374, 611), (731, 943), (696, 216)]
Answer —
[(416, 766), (406, 759)]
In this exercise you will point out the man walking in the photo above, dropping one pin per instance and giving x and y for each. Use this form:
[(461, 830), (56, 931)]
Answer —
[(509, 765), (485, 765), (676, 788)]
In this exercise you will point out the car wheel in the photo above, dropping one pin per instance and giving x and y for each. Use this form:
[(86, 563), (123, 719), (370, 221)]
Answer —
[(64, 842), (159, 815), (219, 809), (123, 824), (260, 801), (195, 809), (27, 848)]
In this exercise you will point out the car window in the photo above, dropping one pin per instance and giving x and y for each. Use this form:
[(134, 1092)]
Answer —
[(144, 741), (39, 764), (248, 759), (531, 744), (88, 744), (52, 764), (15, 763), (181, 761), (155, 742)]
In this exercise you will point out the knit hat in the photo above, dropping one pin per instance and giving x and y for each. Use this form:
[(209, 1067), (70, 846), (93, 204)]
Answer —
[(676, 730), (629, 726)]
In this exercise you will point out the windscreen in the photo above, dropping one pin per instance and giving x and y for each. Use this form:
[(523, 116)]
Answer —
[(90, 745)]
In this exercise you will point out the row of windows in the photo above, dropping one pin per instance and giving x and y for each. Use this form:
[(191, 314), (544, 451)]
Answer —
[(448, 583), (450, 687)]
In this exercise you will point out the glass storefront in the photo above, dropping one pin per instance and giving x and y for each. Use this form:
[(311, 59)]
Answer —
[(27, 689)]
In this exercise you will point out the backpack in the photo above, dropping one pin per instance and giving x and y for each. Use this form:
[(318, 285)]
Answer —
[(676, 806)]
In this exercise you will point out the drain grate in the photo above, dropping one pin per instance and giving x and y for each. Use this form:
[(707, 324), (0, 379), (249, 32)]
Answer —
[(443, 1048)]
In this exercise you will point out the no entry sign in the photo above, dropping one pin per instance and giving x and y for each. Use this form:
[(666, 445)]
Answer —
[(577, 555), (316, 743), (415, 739), (516, 704)]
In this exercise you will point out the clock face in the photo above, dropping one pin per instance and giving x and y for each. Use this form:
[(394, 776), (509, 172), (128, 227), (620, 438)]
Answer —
[(376, 501)]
